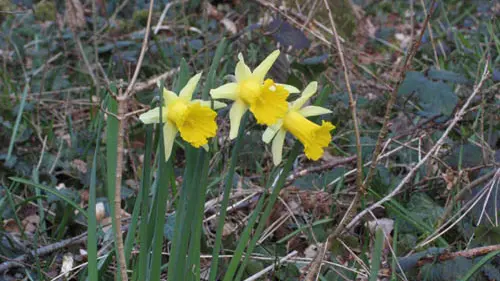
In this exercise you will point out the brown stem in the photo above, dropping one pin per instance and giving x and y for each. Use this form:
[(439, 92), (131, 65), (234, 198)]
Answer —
[(469, 253), (390, 104), (122, 103), (316, 263)]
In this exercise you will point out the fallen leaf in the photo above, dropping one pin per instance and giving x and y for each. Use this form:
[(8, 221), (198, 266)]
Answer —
[(67, 264)]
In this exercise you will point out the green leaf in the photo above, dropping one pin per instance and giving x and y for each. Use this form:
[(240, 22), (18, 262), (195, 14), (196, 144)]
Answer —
[(435, 98), (449, 76), (52, 191)]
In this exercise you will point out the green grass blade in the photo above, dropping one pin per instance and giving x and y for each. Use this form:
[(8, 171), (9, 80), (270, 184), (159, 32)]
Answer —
[(376, 255), (52, 191), (228, 184), (267, 211), (144, 236), (183, 218), (165, 170), (93, 272), (480, 264), (213, 68), (111, 156), (18, 121)]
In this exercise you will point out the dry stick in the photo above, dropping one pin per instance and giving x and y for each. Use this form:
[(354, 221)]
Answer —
[(461, 195), (390, 104), (122, 104), (270, 268), (470, 253), (429, 27), (438, 144), (122, 107), (316, 264), (326, 166), (42, 251)]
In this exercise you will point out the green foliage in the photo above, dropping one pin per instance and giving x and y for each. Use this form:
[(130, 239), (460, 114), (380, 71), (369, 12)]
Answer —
[(434, 98)]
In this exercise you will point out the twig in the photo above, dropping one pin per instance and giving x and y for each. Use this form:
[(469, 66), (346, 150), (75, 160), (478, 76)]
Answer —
[(431, 35), (85, 59), (271, 267), (316, 264), (460, 195), (327, 166), (390, 104), (43, 251), (470, 253), (122, 100), (458, 117), (145, 42)]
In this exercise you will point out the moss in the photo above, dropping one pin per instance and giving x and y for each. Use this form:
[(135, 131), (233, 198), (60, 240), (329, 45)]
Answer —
[(140, 17), (45, 11)]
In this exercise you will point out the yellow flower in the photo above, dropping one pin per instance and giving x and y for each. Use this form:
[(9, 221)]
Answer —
[(194, 119), (314, 137), (265, 99)]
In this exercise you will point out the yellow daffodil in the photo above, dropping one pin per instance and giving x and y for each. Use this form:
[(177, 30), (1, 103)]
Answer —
[(194, 119), (265, 99), (314, 137)]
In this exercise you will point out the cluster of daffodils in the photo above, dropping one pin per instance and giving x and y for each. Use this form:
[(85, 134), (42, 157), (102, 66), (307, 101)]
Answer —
[(266, 100)]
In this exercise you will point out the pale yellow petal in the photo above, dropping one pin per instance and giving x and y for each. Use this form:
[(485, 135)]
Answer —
[(271, 131), (308, 92), (217, 104), (169, 134), (152, 116), (291, 89), (242, 71), (227, 91), (188, 90), (312, 110), (205, 147), (237, 110), (261, 71), (169, 96), (277, 146)]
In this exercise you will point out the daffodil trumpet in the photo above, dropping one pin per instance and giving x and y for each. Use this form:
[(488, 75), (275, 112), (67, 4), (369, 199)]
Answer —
[(314, 137), (194, 119), (251, 91)]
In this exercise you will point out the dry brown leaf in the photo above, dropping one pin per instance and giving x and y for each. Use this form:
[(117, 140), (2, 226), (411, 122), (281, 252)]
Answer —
[(80, 165), (30, 223), (11, 226), (67, 264), (74, 15)]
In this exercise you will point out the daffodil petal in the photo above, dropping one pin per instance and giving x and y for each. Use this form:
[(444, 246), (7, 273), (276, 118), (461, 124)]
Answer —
[(271, 104), (217, 104), (237, 110), (188, 90), (242, 71), (169, 96), (152, 116), (308, 92), (198, 125), (226, 91), (291, 89), (312, 110), (205, 146), (169, 133), (271, 131), (277, 146), (260, 72)]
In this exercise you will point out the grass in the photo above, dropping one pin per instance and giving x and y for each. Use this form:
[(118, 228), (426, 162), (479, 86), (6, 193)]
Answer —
[(54, 119)]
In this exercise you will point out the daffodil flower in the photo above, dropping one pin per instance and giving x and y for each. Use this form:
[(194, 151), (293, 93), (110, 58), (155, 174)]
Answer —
[(194, 119), (314, 137), (265, 99)]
